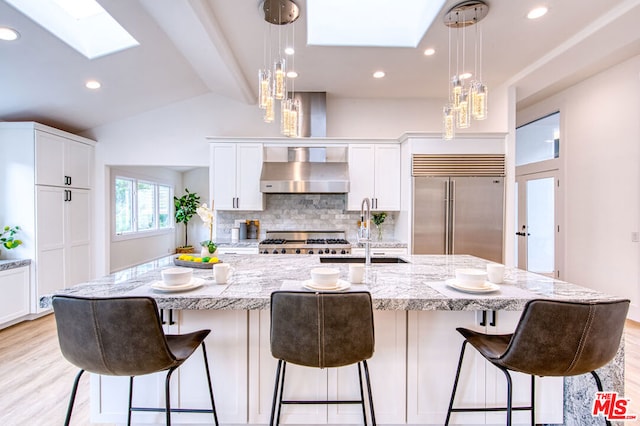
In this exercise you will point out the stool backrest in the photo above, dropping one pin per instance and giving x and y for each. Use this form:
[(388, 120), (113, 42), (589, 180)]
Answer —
[(322, 329), (112, 336), (556, 338)]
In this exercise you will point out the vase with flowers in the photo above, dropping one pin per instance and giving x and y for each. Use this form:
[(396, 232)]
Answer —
[(206, 214), (378, 220)]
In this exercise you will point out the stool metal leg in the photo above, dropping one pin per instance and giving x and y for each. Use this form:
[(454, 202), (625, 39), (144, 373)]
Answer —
[(599, 386), (284, 370), (533, 400), (275, 392), (366, 374), (206, 368), (509, 394), (455, 383), (72, 398), (130, 400), (364, 411), (167, 395)]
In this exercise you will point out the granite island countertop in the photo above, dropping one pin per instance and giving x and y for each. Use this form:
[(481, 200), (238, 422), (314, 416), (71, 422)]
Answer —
[(417, 285)]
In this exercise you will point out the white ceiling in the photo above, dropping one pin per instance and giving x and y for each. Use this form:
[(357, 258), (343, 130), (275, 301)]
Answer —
[(193, 47)]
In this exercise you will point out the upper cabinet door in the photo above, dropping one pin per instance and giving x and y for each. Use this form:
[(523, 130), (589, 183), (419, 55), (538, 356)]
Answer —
[(62, 162), (223, 162), (361, 183), (249, 168), (50, 151), (387, 177)]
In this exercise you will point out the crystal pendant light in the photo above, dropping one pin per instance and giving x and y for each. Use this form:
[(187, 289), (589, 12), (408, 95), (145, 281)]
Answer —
[(479, 94), (269, 110), (264, 87), (448, 118), (463, 112), (279, 79), (294, 118), (285, 112), (456, 91)]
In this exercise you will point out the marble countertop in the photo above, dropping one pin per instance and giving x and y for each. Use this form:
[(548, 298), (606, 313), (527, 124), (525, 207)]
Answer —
[(13, 263), (417, 285)]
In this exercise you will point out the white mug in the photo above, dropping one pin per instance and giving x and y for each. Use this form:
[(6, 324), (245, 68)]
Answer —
[(495, 273), (356, 273), (222, 272)]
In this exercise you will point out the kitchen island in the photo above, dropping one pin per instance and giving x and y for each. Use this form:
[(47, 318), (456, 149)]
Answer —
[(416, 345)]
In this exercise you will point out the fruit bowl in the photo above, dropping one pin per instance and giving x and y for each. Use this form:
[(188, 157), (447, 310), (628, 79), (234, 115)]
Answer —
[(196, 261)]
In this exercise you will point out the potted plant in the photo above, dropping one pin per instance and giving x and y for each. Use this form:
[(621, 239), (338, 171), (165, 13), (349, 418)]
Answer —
[(185, 209), (206, 214), (6, 237), (378, 220)]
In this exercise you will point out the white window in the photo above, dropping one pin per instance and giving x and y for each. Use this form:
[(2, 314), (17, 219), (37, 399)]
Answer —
[(141, 207)]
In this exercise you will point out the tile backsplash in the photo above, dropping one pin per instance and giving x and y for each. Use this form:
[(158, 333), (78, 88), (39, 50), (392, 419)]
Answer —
[(317, 212)]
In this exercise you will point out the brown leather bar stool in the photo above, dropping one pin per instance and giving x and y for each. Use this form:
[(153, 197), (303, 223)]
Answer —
[(553, 338), (123, 336), (321, 330)]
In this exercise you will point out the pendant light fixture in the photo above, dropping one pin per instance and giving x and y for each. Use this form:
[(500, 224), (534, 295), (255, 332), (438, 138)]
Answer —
[(465, 101), (272, 80)]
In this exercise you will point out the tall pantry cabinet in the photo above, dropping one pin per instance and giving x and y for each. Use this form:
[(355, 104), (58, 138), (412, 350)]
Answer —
[(45, 188)]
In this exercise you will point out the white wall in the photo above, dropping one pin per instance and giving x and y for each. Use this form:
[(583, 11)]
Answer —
[(601, 138)]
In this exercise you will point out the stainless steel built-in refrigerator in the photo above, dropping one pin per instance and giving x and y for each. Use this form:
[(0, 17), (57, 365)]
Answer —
[(459, 215)]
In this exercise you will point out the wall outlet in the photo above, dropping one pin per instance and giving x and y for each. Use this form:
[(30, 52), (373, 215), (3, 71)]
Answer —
[(635, 237)]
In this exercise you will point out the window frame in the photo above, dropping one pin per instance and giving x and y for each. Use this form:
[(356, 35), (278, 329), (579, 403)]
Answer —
[(136, 233)]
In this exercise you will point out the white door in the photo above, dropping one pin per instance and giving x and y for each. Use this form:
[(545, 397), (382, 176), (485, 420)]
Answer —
[(50, 151), (78, 162), (78, 236), (387, 177), (537, 227), (361, 182), (248, 169)]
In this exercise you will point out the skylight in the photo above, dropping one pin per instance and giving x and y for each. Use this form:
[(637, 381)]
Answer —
[(390, 23), (82, 24)]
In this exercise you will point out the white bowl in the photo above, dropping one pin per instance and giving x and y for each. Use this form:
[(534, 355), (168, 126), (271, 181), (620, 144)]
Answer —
[(471, 277), (325, 277), (176, 276)]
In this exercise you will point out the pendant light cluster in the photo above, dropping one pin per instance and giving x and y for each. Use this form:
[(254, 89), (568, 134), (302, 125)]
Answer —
[(272, 79), (466, 100)]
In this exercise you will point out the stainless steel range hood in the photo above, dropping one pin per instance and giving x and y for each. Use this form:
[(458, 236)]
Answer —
[(303, 170)]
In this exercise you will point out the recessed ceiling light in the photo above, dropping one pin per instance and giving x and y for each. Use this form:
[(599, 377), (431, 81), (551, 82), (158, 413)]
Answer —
[(537, 12), (430, 51), (8, 34), (465, 75), (292, 74), (93, 84), (289, 50), (378, 74)]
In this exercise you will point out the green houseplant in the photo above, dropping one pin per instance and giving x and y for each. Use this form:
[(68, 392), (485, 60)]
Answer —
[(6, 237), (185, 209), (378, 220)]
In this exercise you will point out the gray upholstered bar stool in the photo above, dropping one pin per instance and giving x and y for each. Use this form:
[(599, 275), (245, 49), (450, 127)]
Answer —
[(321, 330), (123, 336), (552, 338)]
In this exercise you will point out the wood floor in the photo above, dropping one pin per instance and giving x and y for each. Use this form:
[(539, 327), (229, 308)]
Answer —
[(35, 380)]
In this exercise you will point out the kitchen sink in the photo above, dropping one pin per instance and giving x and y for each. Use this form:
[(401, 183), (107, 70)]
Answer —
[(361, 260)]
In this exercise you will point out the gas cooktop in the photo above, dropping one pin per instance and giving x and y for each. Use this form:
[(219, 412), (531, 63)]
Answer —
[(305, 242)]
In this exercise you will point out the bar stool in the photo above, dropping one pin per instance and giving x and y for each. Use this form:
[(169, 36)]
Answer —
[(552, 338), (321, 330), (123, 336)]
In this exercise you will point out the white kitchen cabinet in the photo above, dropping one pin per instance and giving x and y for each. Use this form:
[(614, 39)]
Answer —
[(227, 355), (53, 211), (387, 368), (374, 173), (433, 353), (14, 287), (63, 234), (61, 161), (235, 173)]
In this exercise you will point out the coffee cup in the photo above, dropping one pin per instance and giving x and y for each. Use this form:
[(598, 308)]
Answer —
[(222, 272), (356, 273), (495, 273)]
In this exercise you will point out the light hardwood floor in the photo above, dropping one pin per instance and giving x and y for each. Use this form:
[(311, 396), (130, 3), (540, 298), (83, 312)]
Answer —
[(35, 380)]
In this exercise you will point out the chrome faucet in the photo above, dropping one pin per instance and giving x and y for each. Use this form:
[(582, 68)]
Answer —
[(365, 231)]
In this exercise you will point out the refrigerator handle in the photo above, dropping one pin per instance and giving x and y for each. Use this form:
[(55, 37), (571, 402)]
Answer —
[(452, 229), (446, 216)]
